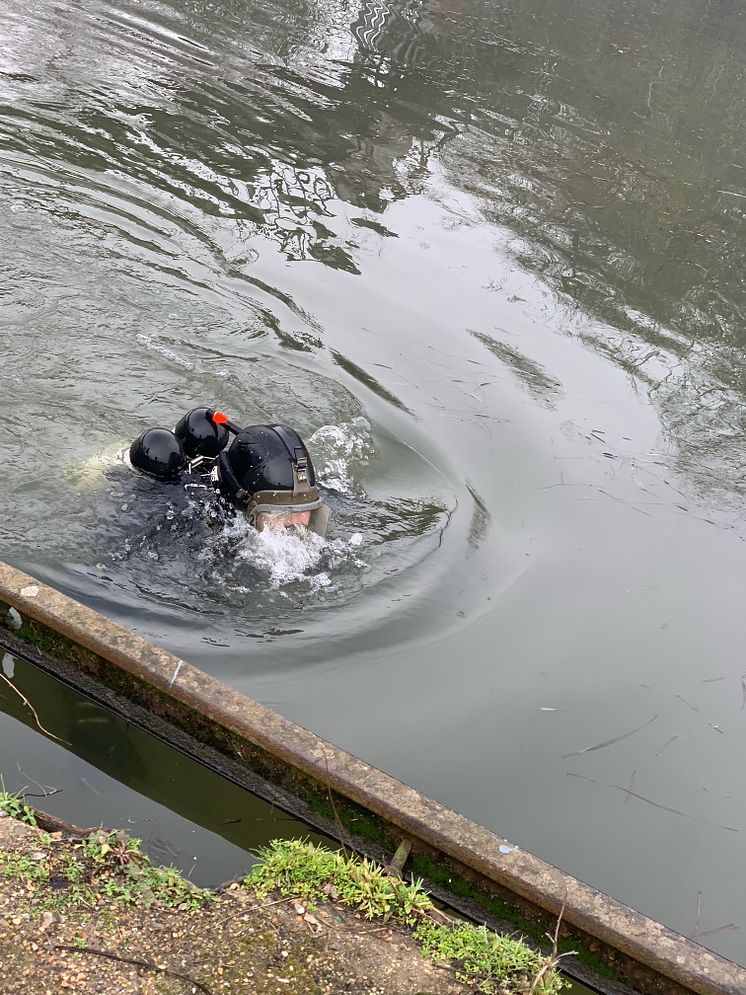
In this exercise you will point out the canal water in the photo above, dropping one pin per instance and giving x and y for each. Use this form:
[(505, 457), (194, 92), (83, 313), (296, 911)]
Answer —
[(488, 259), (99, 769)]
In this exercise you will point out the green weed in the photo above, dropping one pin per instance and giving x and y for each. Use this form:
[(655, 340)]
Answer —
[(294, 867), (108, 864), (487, 961), (16, 807), (35, 872)]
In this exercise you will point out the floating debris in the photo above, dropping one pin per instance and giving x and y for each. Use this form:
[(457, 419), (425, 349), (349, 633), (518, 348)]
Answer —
[(608, 742), (642, 798), (667, 743)]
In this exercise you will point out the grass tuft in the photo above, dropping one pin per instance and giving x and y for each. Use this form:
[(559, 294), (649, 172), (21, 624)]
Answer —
[(15, 806), (488, 962)]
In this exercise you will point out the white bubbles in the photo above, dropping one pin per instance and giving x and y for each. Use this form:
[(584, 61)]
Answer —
[(164, 351), (290, 556), (287, 556), (336, 449)]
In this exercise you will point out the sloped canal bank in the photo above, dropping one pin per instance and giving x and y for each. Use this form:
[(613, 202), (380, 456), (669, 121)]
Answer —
[(466, 865), (91, 914)]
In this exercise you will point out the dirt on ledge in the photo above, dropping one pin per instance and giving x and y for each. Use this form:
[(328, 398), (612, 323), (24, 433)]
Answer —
[(235, 943)]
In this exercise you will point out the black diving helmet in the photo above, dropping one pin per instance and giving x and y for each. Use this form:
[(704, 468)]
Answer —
[(203, 433), (267, 471), (158, 453), (192, 446)]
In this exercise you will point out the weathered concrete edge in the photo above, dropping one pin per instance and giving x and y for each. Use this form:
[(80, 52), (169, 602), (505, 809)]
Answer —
[(651, 944)]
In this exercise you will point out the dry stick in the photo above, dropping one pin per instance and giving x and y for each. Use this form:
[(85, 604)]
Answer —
[(28, 704), (137, 963), (554, 958)]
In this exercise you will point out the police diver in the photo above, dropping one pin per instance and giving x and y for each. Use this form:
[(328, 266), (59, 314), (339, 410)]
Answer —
[(265, 473)]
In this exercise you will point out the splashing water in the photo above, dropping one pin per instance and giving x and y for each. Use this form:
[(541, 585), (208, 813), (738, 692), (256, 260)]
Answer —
[(291, 556), (337, 449), (287, 556)]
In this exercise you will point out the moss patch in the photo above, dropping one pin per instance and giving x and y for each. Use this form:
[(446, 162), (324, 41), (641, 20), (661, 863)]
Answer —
[(502, 911)]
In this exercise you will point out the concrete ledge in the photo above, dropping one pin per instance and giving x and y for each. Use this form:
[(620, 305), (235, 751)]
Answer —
[(640, 952)]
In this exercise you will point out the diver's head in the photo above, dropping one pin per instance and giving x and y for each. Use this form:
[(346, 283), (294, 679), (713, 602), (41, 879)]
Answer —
[(158, 453), (267, 472)]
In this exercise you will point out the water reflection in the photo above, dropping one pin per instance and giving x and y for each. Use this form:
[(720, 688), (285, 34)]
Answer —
[(527, 371), (184, 814), (493, 233)]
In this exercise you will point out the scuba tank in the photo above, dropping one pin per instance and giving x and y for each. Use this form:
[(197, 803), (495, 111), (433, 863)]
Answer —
[(199, 435)]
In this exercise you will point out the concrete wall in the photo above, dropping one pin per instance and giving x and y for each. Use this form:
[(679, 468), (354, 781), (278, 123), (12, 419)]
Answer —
[(469, 866)]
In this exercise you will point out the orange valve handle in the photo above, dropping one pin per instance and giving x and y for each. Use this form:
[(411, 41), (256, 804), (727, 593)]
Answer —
[(218, 418)]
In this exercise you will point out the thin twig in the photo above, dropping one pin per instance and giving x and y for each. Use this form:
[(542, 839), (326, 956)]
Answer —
[(699, 913), (550, 964), (46, 789), (667, 743), (555, 936), (28, 704), (718, 929), (149, 965), (649, 801), (259, 907), (608, 742)]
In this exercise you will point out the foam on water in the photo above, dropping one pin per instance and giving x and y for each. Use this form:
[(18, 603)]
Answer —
[(162, 350), (89, 473), (287, 556), (290, 555)]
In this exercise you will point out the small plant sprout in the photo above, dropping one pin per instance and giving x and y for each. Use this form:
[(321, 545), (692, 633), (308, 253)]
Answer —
[(15, 806)]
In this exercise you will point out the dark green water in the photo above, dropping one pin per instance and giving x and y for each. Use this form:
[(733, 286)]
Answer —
[(488, 259), (99, 769)]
